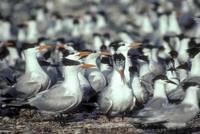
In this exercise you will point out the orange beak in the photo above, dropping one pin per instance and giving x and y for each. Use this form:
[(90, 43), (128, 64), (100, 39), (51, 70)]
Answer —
[(60, 46), (87, 65), (105, 53), (40, 48), (121, 72), (83, 53), (135, 45), (178, 13)]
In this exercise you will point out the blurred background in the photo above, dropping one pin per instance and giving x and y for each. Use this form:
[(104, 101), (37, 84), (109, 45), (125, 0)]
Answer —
[(55, 18)]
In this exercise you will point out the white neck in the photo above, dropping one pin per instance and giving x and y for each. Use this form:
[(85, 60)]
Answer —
[(136, 82), (146, 27), (97, 43), (32, 30), (116, 78), (166, 46), (159, 90), (195, 70), (76, 31), (6, 31), (100, 21), (176, 62), (163, 24), (183, 46), (13, 53), (177, 43), (144, 69), (70, 74), (154, 56), (107, 42), (182, 74), (58, 26), (183, 55), (40, 15), (173, 24), (32, 64), (125, 37), (191, 96), (21, 36)]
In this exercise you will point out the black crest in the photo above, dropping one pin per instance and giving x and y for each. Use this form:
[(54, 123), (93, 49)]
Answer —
[(185, 66), (3, 52), (173, 54), (188, 84), (193, 51), (160, 77), (26, 45), (118, 57), (68, 62)]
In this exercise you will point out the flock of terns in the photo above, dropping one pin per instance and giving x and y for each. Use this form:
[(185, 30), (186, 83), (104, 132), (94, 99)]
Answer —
[(148, 67)]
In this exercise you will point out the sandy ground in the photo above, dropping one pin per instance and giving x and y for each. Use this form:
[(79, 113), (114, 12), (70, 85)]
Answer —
[(30, 122)]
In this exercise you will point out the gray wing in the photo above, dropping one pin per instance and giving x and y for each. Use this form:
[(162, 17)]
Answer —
[(178, 93), (156, 103), (56, 90), (181, 113), (174, 113), (147, 83), (53, 75), (53, 104), (97, 80), (152, 106), (26, 89), (53, 100), (8, 74)]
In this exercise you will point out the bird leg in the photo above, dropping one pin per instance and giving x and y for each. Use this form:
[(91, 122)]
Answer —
[(123, 115), (61, 119), (108, 117)]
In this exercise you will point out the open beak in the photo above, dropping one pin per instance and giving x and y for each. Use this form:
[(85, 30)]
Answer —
[(135, 45), (105, 53), (83, 53), (121, 72), (87, 65), (40, 48)]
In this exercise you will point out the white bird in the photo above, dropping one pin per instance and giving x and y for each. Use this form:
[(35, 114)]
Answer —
[(94, 75), (139, 91), (177, 116), (111, 100), (32, 30), (35, 79), (173, 25), (65, 96), (163, 26), (159, 99)]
